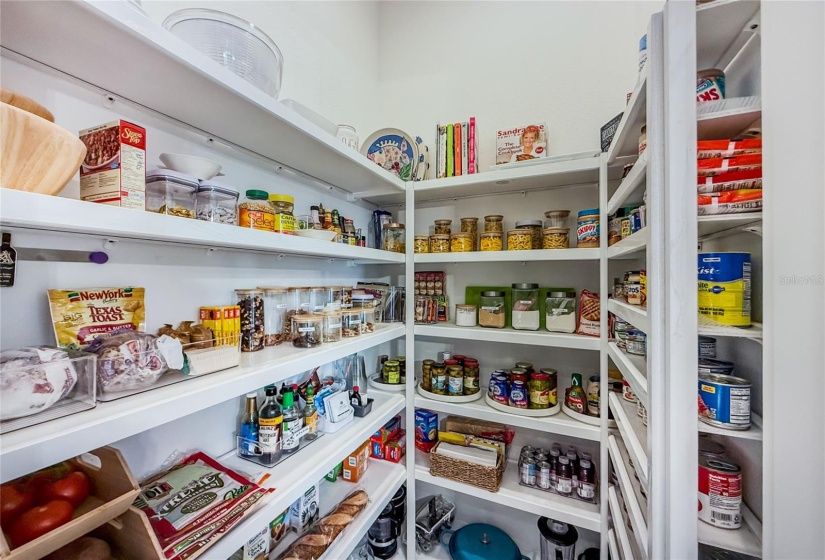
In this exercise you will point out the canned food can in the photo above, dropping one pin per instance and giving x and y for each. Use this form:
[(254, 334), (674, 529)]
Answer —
[(543, 469), (715, 367), (636, 343), (725, 401), (627, 392), (720, 493), (707, 347), (539, 457), (528, 472), (711, 449), (542, 451), (518, 395), (724, 281), (528, 448)]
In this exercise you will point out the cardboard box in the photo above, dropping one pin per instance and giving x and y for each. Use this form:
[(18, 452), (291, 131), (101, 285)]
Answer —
[(376, 448), (257, 548), (278, 528), (114, 170), (332, 476), (426, 427), (305, 510), (356, 464), (395, 448), (388, 430)]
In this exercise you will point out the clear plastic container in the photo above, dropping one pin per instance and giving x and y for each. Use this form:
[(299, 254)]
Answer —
[(560, 314), (275, 309), (351, 322), (216, 203), (494, 223), (535, 227), (557, 218), (255, 211), (442, 227), (332, 326), (394, 238), (491, 241), (491, 311), (526, 316), (440, 243), (284, 221), (171, 192), (253, 325), (307, 331)]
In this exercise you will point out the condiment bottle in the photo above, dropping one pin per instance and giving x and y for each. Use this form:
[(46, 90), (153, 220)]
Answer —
[(355, 397), (270, 420), (249, 426), (564, 485), (576, 397), (8, 262), (573, 457), (311, 415), (587, 476), (292, 422)]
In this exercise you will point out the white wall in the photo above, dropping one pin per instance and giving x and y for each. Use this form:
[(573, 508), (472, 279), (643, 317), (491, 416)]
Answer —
[(569, 64)]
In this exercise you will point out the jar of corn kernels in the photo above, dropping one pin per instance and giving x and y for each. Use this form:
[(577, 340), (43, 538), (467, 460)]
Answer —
[(462, 242), (439, 243), (519, 240), (491, 241)]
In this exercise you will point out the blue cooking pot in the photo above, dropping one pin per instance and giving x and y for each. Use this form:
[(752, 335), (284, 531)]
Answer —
[(479, 541)]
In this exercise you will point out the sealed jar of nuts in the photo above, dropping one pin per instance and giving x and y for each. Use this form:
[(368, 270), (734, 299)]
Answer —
[(421, 244), (440, 243), (274, 315), (251, 303), (307, 331), (256, 212), (461, 242), (351, 322), (332, 331), (519, 240), (494, 223), (556, 238), (394, 237), (171, 192), (491, 241), (535, 227), (442, 227)]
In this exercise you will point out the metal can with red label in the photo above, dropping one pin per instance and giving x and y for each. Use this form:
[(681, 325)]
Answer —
[(720, 493)]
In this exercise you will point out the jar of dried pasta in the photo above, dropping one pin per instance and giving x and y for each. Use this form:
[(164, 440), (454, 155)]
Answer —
[(491, 241), (494, 223), (519, 240), (394, 237), (470, 225), (535, 227), (440, 243), (421, 244), (556, 238), (461, 242), (442, 227)]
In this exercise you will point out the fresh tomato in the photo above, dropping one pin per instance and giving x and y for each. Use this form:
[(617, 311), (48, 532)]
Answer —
[(49, 474), (73, 488), (13, 502), (40, 520)]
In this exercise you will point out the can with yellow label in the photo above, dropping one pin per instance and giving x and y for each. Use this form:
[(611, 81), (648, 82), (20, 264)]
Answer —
[(725, 288)]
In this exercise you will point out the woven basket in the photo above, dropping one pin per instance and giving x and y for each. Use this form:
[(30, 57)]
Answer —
[(488, 478)]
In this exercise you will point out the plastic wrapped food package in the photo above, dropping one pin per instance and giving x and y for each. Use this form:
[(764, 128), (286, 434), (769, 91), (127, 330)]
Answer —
[(129, 361), (34, 379)]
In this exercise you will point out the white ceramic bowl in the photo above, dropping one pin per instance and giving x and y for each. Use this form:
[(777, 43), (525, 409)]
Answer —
[(198, 167), (319, 234)]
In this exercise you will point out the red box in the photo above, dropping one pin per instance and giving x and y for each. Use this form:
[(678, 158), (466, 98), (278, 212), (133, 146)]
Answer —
[(389, 430), (395, 448), (114, 170)]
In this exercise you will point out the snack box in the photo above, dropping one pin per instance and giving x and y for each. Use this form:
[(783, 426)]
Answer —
[(727, 148), (305, 510), (388, 430), (426, 426), (716, 166), (395, 448), (278, 528), (257, 548), (114, 169), (332, 476), (376, 448), (355, 465)]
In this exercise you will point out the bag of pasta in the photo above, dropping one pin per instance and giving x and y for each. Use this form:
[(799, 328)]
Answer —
[(81, 316)]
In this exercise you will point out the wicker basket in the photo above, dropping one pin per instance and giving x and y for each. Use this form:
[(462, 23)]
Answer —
[(488, 478)]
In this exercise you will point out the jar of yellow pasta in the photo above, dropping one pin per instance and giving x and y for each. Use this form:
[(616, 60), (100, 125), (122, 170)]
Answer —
[(470, 225), (442, 227), (519, 240), (421, 244), (535, 227), (556, 238), (461, 242), (494, 223), (439, 243), (491, 241)]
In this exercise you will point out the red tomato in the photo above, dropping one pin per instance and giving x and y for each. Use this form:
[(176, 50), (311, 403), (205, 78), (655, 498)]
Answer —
[(73, 488), (13, 502), (40, 520)]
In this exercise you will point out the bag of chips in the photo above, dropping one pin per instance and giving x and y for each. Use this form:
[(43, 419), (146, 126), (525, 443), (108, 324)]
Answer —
[(80, 316)]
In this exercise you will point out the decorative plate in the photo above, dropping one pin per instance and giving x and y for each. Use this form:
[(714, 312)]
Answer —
[(394, 150), (532, 412), (446, 398)]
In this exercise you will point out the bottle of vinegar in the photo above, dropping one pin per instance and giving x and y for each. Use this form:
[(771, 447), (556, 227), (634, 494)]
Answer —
[(270, 420)]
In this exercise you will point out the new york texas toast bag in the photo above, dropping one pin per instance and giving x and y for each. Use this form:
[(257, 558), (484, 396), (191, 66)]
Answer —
[(80, 316)]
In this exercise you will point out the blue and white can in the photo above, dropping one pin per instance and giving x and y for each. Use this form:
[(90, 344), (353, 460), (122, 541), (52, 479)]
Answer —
[(725, 401)]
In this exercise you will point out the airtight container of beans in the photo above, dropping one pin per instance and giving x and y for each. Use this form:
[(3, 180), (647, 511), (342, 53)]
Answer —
[(494, 223), (421, 244), (439, 243), (535, 227), (519, 240), (556, 238), (491, 241), (461, 242)]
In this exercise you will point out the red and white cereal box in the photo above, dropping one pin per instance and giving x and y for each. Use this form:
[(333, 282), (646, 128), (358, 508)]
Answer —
[(114, 170)]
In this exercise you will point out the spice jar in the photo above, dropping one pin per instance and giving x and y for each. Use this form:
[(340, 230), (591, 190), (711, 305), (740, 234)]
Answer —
[(539, 391), (493, 223), (284, 221), (470, 225), (274, 315), (556, 238), (350, 323), (332, 326), (440, 243), (426, 309), (251, 303), (421, 244), (491, 312), (519, 240), (587, 228), (307, 331), (491, 241), (461, 242), (526, 307), (455, 381), (560, 311), (535, 227), (426, 374), (256, 212), (465, 315), (216, 203), (557, 218), (471, 377), (171, 192), (391, 372), (393, 237), (438, 379), (442, 227)]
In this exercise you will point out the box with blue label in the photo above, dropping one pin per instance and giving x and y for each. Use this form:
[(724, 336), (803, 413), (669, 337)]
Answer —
[(426, 427)]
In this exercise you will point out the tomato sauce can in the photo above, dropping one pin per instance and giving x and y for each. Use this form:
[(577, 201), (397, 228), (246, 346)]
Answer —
[(720, 493), (725, 401), (724, 282)]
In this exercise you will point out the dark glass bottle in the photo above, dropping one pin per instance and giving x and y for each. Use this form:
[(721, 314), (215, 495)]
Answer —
[(270, 424)]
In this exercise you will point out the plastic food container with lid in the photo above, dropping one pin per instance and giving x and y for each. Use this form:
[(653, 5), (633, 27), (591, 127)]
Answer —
[(535, 227), (491, 312), (284, 220), (216, 202), (526, 315), (171, 192), (557, 218), (255, 211), (560, 314)]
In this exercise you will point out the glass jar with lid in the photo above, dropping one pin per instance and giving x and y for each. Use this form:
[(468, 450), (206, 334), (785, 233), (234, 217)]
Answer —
[(470, 225), (361, 300), (391, 372), (275, 309), (394, 237), (525, 312), (346, 296), (421, 244), (217, 203), (255, 211), (465, 315), (555, 238), (560, 311), (442, 227), (557, 218), (438, 378), (284, 221), (491, 241), (307, 331), (351, 322), (462, 242), (535, 227), (367, 320), (519, 240), (494, 223), (440, 243), (171, 192), (332, 326), (318, 298), (251, 303), (491, 311), (335, 296), (299, 300)]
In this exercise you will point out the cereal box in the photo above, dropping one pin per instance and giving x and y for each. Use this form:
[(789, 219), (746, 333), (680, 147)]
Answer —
[(521, 143), (114, 170)]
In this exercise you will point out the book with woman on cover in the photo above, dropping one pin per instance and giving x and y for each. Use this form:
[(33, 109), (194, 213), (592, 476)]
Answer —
[(521, 143)]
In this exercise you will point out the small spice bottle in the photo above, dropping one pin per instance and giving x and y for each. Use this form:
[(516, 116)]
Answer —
[(255, 211)]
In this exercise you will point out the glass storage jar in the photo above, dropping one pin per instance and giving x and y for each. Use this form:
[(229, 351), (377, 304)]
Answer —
[(440, 243), (251, 303), (465, 315), (391, 372), (255, 211), (274, 315), (318, 299), (367, 320), (346, 296), (393, 238), (284, 221), (307, 331), (535, 227), (461, 242), (216, 203), (494, 223), (171, 192), (442, 227), (470, 225), (426, 309), (491, 241), (426, 374), (519, 240), (438, 378), (299, 301), (560, 311), (491, 312), (556, 238), (557, 218), (471, 376), (526, 315), (421, 244), (332, 326), (335, 296), (351, 322)]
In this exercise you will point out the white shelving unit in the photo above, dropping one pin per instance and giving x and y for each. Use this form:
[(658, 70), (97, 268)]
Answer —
[(634, 435), (627, 247), (629, 191), (509, 336), (509, 256), (619, 526), (633, 368), (636, 315), (626, 486)]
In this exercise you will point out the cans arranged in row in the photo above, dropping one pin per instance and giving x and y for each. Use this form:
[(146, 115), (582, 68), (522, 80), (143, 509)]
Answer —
[(567, 473)]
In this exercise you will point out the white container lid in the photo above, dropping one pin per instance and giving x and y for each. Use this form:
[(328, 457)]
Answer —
[(171, 176)]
